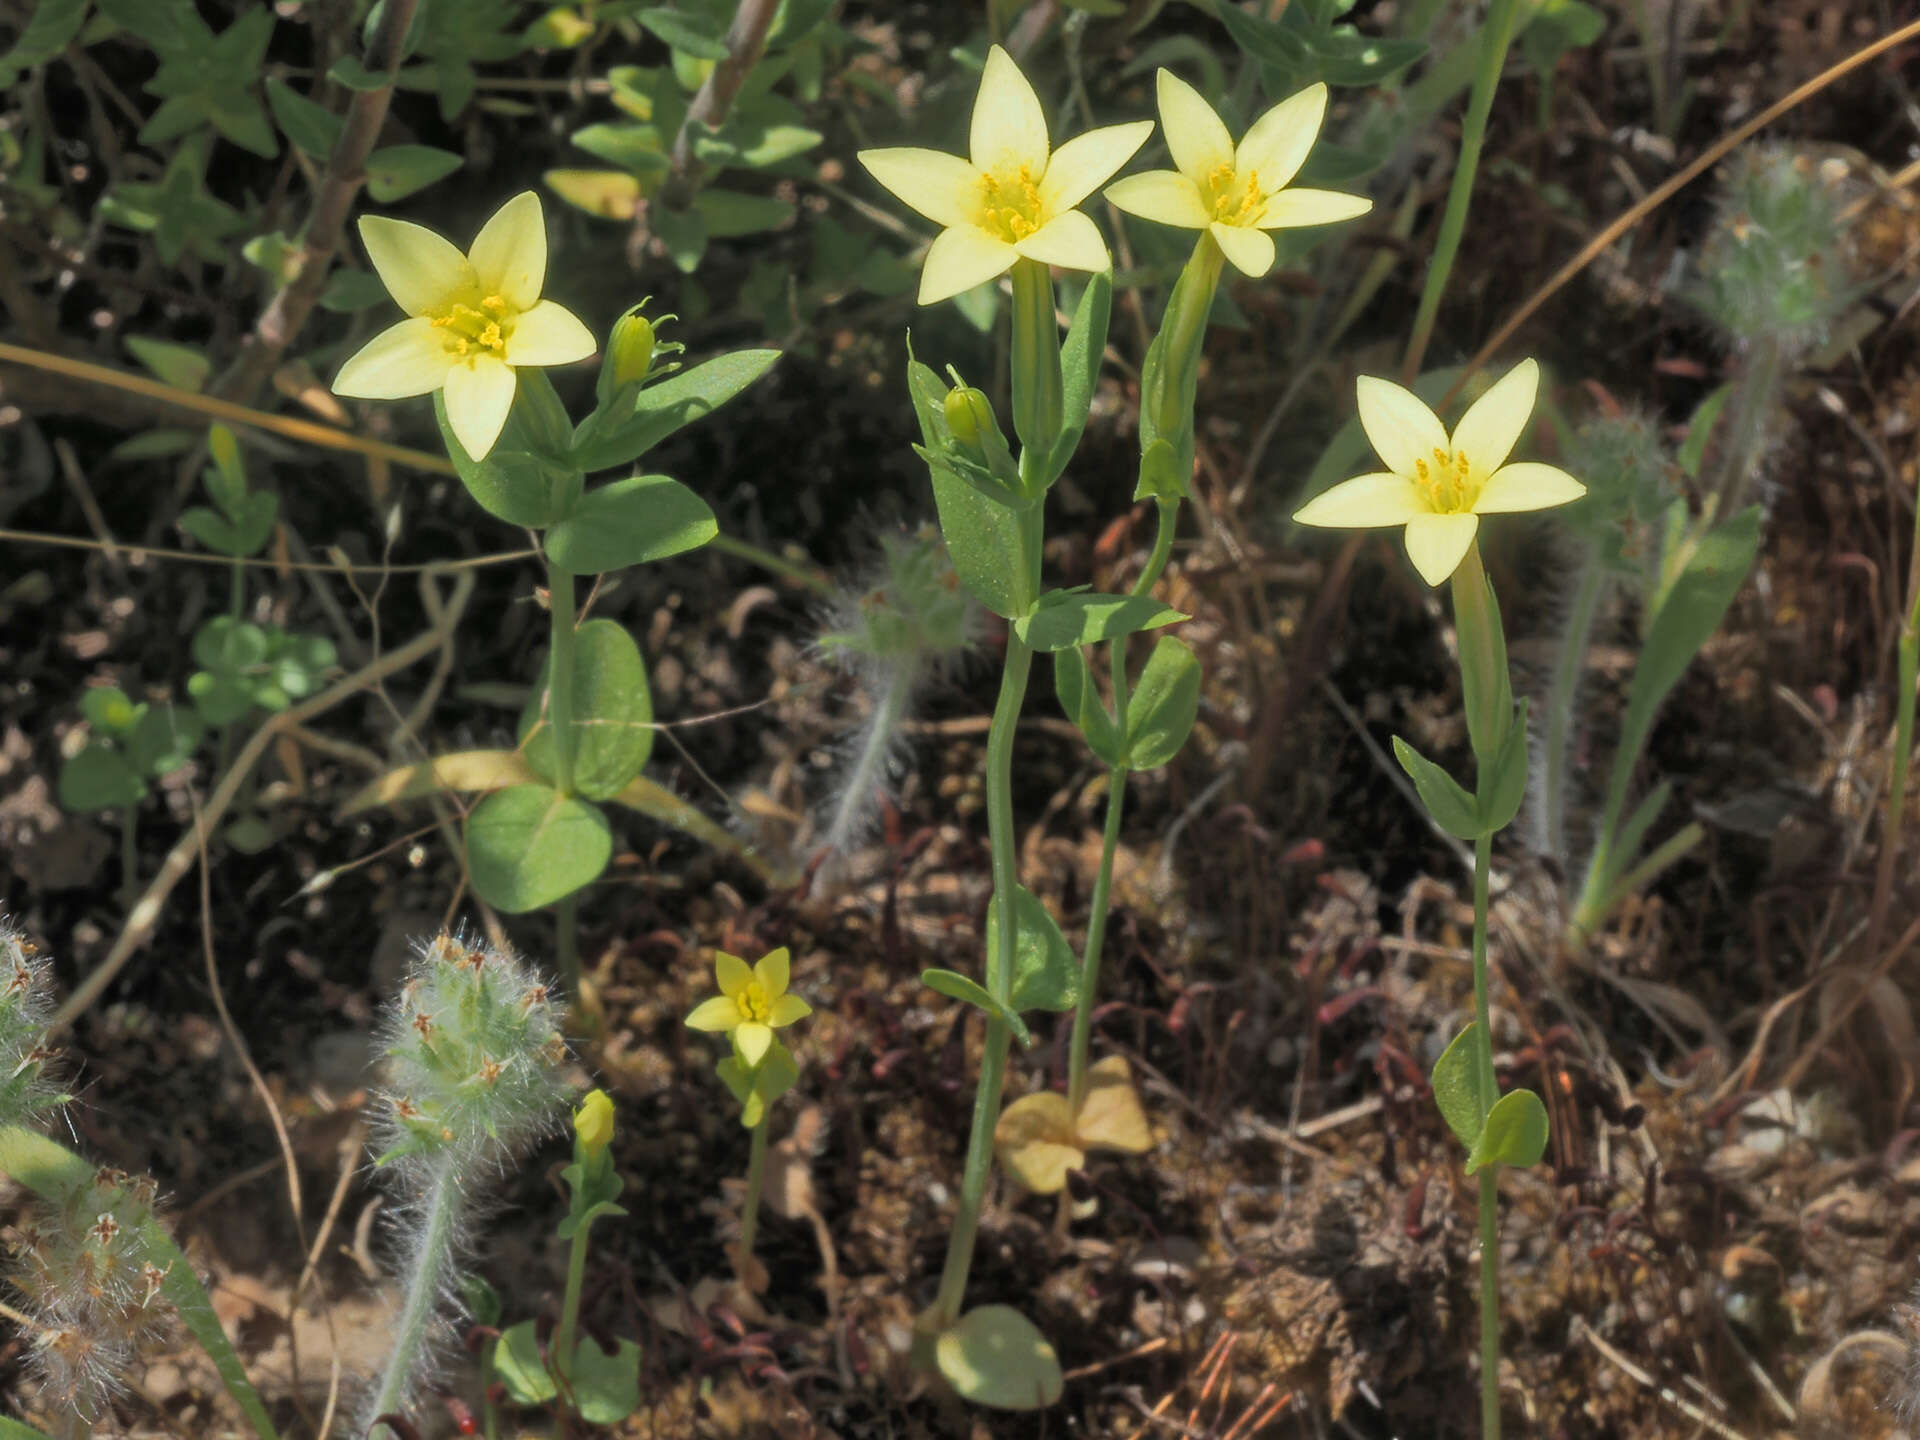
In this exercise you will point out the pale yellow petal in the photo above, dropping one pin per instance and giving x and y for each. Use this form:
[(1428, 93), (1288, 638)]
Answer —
[(1364, 502), (1277, 145), (1110, 1118), (753, 1040), (942, 187), (1494, 423), (1399, 424), (960, 259), (1292, 208), (1527, 485), (405, 359), (772, 970), (1087, 162), (1009, 127), (1071, 240), (1251, 251), (1195, 132), (510, 253), (548, 334), (479, 393), (1165, 196), (787, 1009), (719, 1013), (1437, 543), (732, 974), (423, 272)]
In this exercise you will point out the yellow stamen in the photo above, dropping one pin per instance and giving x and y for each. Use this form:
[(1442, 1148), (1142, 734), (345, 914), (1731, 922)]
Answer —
[(753, 1003), (1231, 198), (1010, 205), (484, 329), (1448, 481)]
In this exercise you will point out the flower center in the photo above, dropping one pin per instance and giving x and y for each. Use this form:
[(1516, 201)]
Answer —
[(753, 1003), (474, 332), (1448, 482), (1231, 199), (1010, 205)]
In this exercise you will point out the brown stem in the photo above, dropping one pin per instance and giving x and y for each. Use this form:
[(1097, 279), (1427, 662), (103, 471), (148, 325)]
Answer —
[(281, 322), (746, 40)]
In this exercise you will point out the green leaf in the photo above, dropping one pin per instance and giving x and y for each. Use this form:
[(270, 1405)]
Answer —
[(208, 80), (529, 846), (1451, 807), (958, 987), (160, 444), (107, 709), (1073, 683), (510, 483), (603, 441), (181, 366), (1558, 27), (46, 35), (348, 291), (694, 34), (727, 214), (1046, 973), (759, 1087), (606, 1388), (612, 713), (1625, 848), (1693, 450), (220, 698), (99, 779), (163, 739), (1505, 785), (397, 171), (482, 1300), (683, 232), (640, 149), (630, 522), (312, 128), (1456, 1088), (1064, 618), (229, 646), (1515, 1133), (296, 663), (517, 1362), (994, 1356), (983, 541), (239, 536), (1163, 706), (1080, 369), (176, 209)]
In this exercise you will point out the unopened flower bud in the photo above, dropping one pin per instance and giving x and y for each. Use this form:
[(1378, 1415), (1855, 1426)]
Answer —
[(630, 349), (593, 1124), (968, 414)]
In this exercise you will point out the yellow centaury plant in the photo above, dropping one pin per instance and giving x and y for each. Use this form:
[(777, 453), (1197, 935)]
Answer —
[(473, 319), (1439, 487), (1235, 194), (1016, 197), (753, 1002)]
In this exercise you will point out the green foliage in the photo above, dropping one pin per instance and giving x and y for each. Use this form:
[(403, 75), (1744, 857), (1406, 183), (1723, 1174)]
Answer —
[(1163, 706), (130, 745), (244, 666), (529, 845), (1777, 263), (1071, 617), (1080, 699), (612, 713)]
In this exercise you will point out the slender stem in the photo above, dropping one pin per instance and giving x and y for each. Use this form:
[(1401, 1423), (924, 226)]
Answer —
[(1751, 405), (1907, 675), (1489, 1198), (1569, 667), (566, 942), (993, 1060), (560, 675), (564, 1341), (1494, 40), (1096, 937), (426, 1281), (1038, 386), (237, 590), (756, 1181)]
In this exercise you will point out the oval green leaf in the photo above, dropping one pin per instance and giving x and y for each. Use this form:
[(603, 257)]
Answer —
[(530, 846), (1515, 1133), (996, 1357), (396, 171), (1456, 1088), (1163, 706), (630, 522), (1065, 618), (1046, 973), (1451, 807), (612, 713), (956, 986)]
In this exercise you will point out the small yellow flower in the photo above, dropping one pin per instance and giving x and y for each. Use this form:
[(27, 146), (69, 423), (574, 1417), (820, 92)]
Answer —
[(473, 319), (752, 1003), (1439, 486), (1016, 197), (1235, 194), (593, 1123)]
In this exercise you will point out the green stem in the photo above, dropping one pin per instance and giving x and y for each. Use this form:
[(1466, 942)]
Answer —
[(1569, 666), (1907, 676), (426, 1280), (993, 1060), (1489, 1197), (560, 675), (566, 942), (1494, 40), (564, 1341), (237, 590), (1096, 937), (756, 1181), (1752, 403), (1038, 385)]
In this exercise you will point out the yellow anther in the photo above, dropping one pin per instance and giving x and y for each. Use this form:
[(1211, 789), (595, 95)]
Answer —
[(753, 1003), (494, 305), (1010, 205), (1234, 199)]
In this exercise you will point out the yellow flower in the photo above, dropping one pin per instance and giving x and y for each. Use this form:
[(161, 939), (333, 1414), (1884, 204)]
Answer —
[(752, 1003), (1015, 198), (473, 319), (1439, 487), (1235, 194), (593, 1123)]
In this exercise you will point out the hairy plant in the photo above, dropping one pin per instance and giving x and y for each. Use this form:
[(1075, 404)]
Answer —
[(472, 1078)]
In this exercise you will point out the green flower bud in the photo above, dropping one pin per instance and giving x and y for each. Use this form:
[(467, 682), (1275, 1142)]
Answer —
[(968, 414), (630, 350)]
